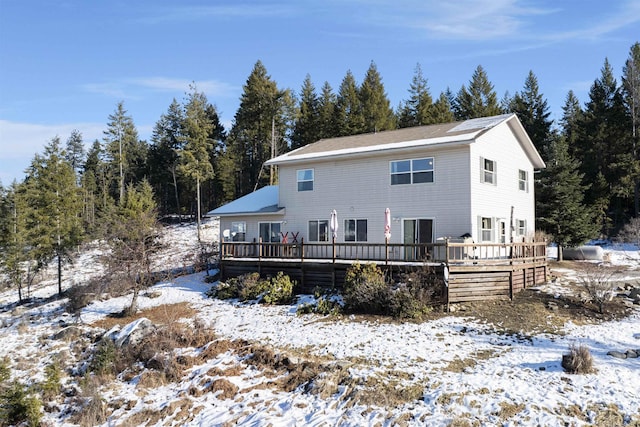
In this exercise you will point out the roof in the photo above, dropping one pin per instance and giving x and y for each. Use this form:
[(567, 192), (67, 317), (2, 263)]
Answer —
[(464, 132), (261, 202)]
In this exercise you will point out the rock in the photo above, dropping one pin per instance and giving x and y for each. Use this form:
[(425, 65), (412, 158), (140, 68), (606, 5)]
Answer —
[(628, 303), (634, 293), (134, 332), (68, 333), (617, 354), (631, 354)]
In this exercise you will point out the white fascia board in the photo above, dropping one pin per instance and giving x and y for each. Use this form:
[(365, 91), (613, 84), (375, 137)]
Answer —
[(393, 146)]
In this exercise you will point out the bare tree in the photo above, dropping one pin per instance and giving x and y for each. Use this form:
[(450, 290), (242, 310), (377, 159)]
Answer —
[(598, 282)]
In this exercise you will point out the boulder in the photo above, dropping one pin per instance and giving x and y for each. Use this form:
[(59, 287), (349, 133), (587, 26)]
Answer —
[(68, 334), (631, 354), (134, 332), (617, 354)]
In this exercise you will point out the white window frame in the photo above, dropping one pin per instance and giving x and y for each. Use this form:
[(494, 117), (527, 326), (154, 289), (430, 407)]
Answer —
[(523, 180), (302, 180), (239, 228), (359, 234), (484, 231), (412, 171), (318, 230), (488, 176), (521, 227)]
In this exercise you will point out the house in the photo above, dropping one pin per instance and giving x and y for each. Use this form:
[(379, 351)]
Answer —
[(473, 178)]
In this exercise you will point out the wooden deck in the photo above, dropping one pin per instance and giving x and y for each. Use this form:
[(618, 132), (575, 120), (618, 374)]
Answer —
[(472, 271)]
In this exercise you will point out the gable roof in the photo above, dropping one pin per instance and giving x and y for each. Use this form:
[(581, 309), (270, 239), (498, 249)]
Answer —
[(464, 132), (261, 202)]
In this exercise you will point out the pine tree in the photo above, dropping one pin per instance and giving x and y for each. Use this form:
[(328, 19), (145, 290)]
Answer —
[(75, 152), (349, 115), (260, 130), (56, 207), (306, 125), (480, 100), (631, 95), (125, 152), (533, 111), (561, 211), (327, 112), (418, 109), (376, 111), (195, 163), (442, 110), (134, 237), (166, 142), (570, 121)]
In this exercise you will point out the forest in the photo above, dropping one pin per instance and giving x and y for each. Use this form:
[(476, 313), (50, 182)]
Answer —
[(76, 190)]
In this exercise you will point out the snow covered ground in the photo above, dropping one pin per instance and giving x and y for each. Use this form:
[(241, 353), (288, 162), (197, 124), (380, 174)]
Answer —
[(451, 371)]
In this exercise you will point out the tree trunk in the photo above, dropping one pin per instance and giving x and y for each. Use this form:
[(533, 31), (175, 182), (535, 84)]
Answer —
[(134, 302), (198, 207), (59, 274), (560, 253), (175, 188)]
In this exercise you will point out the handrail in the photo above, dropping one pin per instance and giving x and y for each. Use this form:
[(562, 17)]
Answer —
[(445, 251)]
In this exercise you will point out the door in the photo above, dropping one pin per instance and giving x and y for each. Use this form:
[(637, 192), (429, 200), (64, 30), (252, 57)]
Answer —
[(417, 231)]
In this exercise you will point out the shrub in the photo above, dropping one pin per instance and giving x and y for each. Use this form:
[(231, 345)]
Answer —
[(578, 361), (17, 407), (365, 289), (279, 290), (251, 287), (51, 385), (5, 371), (416, 294), (597, 281), (103, 357)]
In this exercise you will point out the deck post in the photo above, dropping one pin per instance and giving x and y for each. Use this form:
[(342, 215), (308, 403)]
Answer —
[(260, 256), (386, 251)]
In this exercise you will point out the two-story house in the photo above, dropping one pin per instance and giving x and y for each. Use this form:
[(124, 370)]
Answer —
[(472, 178)]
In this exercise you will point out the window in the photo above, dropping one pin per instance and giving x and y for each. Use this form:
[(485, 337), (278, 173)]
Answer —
[(487, 171), (305, 180), (523, 180), (319, 231), (238, 231), (414, 171), (270, 232), (355, 230), (486, 232), (522, 227)]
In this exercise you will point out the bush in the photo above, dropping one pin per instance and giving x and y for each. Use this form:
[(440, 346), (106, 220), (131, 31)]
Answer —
[(51, 386), (365, 289), (279, 290), (5, 371), (17, 407), (598, 282), (578, 361), (103, 357), (416, 295), (251, 287)]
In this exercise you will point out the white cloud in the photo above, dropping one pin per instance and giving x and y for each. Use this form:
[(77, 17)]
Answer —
[(130, 89), (19, 142)]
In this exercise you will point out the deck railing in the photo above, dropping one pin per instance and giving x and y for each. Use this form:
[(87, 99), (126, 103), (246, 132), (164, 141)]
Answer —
[(442, 251)]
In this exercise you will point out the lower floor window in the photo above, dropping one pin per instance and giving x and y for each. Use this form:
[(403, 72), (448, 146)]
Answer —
[(486, 229), (270, 232), (522, 227), (319, 231), (355, 230), (238, 231)]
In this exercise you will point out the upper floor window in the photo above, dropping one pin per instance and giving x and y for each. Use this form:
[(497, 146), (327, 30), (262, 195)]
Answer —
[(486, 229), (412, 171), (319, 231), (523, 180), (355, 230), (488, 171), (305, 180)]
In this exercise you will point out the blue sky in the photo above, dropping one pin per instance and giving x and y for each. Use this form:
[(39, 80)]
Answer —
[(65, 65)]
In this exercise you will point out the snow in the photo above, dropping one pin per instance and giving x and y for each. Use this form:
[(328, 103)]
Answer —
[(510, 369)]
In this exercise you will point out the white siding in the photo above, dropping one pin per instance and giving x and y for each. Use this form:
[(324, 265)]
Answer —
[(495, 201), (361, 189)]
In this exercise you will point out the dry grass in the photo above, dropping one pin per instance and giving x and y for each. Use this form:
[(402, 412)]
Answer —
[(578, 361), (460, 365), (160, 315)]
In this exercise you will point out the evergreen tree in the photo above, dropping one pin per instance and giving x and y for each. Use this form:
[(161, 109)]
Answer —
[(260, 130), (570, 121), (56, 207), (604, 146), (327, 112), (442, 110), (134, 237), (75, 152), (126, 154), (376, 111), (561, 211), (349, 115), (213, 191), (480, 100), (306, 125), (418, 109), (533, 112), (166, 142), (195, 163), (631, 94)]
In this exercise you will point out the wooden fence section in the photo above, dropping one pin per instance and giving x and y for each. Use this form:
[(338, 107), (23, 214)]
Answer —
[(472, 271)]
